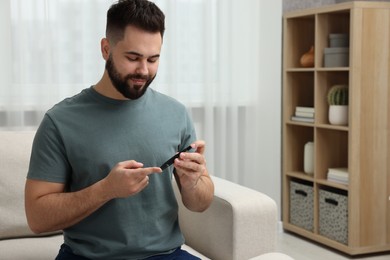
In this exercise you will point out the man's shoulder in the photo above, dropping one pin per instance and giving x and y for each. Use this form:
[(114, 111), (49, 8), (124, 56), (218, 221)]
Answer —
[(69, 102), (167, 100)]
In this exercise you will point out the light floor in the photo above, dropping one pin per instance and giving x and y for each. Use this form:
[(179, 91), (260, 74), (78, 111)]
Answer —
[(302, 249)]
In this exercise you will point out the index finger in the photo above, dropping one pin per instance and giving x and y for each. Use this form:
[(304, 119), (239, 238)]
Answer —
[(151, 170), (147, 170)]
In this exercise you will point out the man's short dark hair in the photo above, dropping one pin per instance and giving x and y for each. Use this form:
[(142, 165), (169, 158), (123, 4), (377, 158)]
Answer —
[(142, 14)]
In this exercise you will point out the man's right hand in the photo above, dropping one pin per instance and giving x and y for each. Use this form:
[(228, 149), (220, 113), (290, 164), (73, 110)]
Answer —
[(128, 178)]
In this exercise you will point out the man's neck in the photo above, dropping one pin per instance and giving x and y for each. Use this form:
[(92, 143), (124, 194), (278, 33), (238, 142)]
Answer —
[(105, 88)]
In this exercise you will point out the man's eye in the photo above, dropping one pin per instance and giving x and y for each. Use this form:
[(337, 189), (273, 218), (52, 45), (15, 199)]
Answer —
[(152, 60), (132, 59)]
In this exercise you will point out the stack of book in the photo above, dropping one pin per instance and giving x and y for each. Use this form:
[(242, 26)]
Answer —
[(339, 175), (303, 114)]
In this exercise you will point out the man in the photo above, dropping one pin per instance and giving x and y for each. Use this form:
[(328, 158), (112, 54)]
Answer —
[(94, 169)]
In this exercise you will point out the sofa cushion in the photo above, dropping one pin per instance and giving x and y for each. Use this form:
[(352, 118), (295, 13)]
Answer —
[(15, 152), (36, 248)]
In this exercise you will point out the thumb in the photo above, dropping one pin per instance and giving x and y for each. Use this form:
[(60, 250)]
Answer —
[(200, 146)]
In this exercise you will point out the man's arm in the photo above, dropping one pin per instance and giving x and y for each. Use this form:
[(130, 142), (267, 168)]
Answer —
[(195, 184), (50, 208)]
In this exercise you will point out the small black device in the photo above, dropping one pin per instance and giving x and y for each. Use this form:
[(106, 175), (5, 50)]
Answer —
[(172, 159)]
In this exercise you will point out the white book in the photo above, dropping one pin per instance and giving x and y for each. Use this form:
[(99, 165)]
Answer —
[(304, 109), (341, 172), (304, 114), (302, 119), (338, 181), (339, 175)]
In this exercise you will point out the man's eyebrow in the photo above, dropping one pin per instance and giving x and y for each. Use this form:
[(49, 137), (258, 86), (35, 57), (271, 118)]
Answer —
[(141, 55)]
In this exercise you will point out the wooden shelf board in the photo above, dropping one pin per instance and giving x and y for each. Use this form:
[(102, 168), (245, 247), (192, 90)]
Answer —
[(332, 184), (334, 127), (325, 69), (291, 122), (317, 238), (301, 175)]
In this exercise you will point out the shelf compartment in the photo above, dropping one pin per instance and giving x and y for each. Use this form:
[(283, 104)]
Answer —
[(330, 23), (301, 195), (299, 93), (324, 81), (333, 214), (332, 145), (296, 137), (299, 35)]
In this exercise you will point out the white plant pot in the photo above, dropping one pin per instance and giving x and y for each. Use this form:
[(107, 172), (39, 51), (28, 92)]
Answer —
[(338, 115)]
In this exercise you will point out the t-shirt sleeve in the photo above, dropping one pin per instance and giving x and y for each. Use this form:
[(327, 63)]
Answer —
[(48, 160)]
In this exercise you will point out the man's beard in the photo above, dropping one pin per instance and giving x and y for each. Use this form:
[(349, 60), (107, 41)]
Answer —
[(121, 85)]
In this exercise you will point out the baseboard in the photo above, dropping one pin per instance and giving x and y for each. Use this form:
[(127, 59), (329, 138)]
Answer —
[(280, 227)]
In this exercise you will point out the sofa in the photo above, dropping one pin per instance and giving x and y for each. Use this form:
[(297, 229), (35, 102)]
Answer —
[(240, 224)]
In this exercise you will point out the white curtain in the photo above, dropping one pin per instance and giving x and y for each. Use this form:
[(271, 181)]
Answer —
[(221, 58)]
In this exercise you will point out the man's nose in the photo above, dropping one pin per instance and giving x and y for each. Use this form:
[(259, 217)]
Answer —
[(142, 68)]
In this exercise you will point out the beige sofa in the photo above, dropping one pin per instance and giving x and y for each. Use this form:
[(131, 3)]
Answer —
[(240, 224)]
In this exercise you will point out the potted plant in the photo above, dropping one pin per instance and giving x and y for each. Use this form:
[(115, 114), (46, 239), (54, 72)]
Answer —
[(338, 105)]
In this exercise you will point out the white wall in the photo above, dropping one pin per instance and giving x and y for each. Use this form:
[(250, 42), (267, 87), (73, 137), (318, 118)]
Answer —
[(267, 178), (5, 47), (271, 98)]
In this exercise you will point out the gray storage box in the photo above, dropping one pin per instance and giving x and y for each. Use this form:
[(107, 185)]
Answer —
[(301, 204), (333, 215), (336, 57), (338, 40)]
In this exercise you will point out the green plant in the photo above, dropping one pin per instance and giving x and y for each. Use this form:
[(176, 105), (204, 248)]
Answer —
[(338, 95)]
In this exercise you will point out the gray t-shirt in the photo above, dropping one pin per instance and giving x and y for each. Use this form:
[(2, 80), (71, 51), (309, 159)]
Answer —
[(83, 137)]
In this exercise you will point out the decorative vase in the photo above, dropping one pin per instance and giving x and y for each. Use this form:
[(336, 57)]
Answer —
[(338, 115), (307, 59), (308, 158)]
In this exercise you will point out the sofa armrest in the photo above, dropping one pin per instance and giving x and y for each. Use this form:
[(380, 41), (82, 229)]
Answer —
[(240, 223)]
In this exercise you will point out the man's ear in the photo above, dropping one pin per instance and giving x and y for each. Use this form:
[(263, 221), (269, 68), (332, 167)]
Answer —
[(105, 48)]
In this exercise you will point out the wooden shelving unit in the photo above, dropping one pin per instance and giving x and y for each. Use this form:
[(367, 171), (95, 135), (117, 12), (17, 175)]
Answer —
[(363, 146)]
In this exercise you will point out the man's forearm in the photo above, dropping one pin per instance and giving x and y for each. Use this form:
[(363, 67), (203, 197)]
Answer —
[(59, 210)]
